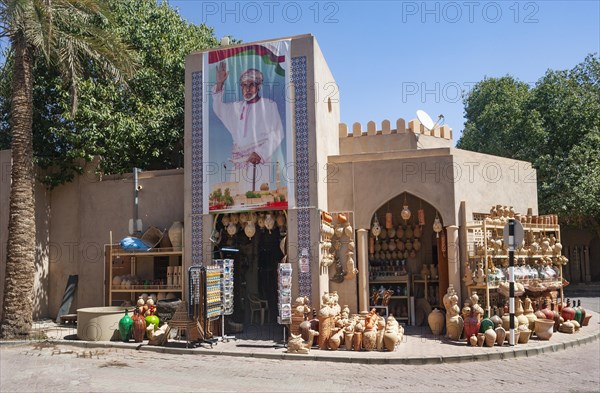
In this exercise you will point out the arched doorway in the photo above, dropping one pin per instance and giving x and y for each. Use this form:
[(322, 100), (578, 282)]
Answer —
[(407, 259)]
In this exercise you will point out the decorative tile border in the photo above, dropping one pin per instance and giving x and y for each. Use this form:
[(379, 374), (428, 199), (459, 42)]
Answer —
[(197, 169), (302, 167)]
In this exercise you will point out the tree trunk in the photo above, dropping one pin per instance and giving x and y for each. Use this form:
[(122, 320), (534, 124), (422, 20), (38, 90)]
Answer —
[(20, 263)]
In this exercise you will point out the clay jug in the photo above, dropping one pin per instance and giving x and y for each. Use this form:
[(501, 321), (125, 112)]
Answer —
[(556, 318), (472, 325), (549, 314), (577, 312), (528, 312), (348, 338), (500, 335), (496, 318), (370, 339), (490, 337), (519, 313), (486, 323), (454, 327), (176, 234), (473, 340), (506, 320), (568, 313), (544, 329), (583, 312), (139, 327), (436, 321), (125, 327), (357, 341)]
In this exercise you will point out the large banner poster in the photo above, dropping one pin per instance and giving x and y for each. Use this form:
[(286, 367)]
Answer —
[(247, 133)]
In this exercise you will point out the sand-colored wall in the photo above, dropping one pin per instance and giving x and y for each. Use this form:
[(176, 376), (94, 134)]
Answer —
[(484, 180), (368, 181)]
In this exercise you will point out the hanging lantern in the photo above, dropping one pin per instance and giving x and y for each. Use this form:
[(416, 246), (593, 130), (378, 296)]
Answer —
[(437, 225), (405, 213), (376, 228)]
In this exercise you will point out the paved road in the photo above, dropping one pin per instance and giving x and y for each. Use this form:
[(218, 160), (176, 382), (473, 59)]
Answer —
[(42, 367)]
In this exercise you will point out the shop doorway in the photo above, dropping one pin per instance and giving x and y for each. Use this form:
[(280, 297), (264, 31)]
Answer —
[(257, 237)]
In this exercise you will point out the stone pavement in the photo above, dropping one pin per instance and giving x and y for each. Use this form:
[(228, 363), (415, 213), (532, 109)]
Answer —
[(419, 346)]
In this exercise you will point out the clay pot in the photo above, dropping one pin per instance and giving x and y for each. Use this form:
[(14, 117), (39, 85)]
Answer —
[(568, 313), (370, 340), (490, 337), (139, 327), (357, 341), (336, 339), (348, 337), (500, 335), (544, 328), (480, 339), (524, 336), (436, 321), (454, 327), (586, 320), (473, 340), (472, 325), (325, 326)]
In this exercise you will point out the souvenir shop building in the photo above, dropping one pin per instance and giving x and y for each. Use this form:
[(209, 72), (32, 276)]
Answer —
[(272, 173)]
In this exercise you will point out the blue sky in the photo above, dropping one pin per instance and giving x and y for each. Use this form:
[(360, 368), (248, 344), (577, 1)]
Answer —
[(391, 58)]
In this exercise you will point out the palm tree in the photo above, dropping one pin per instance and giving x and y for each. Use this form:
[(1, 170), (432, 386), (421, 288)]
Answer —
[(68, 35)]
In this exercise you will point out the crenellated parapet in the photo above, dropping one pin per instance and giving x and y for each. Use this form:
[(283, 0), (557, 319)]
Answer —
[(386, 138)]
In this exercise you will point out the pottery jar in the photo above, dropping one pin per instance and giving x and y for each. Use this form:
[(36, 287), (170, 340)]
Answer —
[(125, 327), (176, 234), (544, 328), (500, 335), (490, 337), (568, 313), (436, 321)]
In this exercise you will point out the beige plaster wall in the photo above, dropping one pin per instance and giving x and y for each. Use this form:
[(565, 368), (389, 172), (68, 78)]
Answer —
[(85, 211), (482, 180), (368, 181), (327, 113)]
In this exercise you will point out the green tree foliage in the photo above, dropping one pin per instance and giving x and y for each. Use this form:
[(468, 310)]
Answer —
[(555, 125), (65, 35), (138, 127)]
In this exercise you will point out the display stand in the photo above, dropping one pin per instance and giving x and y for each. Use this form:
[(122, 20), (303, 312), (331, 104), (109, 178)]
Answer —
[(226, 266), (284, 274), (202, 287)]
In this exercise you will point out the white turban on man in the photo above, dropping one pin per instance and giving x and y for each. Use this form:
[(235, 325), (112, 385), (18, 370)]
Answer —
[(252, 75)]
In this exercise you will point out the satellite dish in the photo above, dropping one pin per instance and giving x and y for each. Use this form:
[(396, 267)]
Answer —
[(425, 119)]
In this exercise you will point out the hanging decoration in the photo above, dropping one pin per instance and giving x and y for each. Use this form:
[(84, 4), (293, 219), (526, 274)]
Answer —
[(405, 214), (376, 228), (388, 218), (437, 225), (421, 214)]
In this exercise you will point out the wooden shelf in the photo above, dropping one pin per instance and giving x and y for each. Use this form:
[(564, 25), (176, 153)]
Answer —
[(399, 297), (390, 279), (126, 262), (150, 288), (155, 252)]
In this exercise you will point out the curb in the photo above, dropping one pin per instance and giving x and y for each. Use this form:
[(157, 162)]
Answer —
[(424, 360)]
